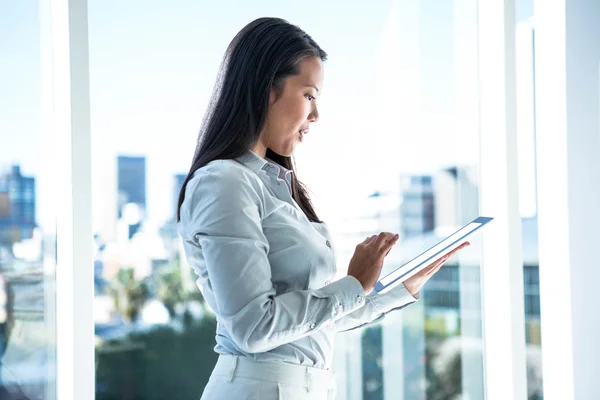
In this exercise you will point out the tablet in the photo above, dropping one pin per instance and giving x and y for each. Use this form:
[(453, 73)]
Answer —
[(423, 260)]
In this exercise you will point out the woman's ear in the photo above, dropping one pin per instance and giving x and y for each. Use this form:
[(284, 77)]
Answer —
[(272, 96)]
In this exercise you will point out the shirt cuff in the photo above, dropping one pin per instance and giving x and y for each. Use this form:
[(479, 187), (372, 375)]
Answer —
[(346, 294), (396, 297)]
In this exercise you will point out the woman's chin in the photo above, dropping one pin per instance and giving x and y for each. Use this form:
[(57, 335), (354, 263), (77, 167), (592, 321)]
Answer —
[(285, 152)]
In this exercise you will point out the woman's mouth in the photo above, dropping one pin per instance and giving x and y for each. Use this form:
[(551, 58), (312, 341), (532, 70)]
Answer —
[(302, 133)]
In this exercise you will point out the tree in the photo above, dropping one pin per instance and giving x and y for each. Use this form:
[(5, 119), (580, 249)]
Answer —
[(170, 288), (129, 294)]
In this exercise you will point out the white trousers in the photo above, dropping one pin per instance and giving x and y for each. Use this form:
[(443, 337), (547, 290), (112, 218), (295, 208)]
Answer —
[(239, 378)]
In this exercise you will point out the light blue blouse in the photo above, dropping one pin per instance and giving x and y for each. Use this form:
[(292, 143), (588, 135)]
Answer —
[(266, 270)]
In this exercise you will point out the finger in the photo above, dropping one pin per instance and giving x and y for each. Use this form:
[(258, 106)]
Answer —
[(370, 239), (388, 252), (437, 264), (384, 238), (462, 246), (453, 252), (440, 261), (433, 271), (429, 270), (387, 246)]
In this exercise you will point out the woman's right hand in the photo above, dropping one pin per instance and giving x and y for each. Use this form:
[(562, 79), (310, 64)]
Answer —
[(367, 261)]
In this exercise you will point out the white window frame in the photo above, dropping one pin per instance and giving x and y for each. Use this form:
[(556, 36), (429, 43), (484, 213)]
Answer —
[(503, 316), (66, 120), (568, 123)]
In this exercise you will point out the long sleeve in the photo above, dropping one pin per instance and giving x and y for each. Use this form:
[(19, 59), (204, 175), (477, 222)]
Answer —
[(376, 306), (225, 222)]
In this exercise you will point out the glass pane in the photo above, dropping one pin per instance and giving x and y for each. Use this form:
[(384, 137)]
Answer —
[(27, 230), (525, 54), (148, 77), (412, 168), (396, 149)]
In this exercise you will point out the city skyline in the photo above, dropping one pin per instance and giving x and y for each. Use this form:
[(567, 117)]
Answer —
[(142, 105), (415, 95)]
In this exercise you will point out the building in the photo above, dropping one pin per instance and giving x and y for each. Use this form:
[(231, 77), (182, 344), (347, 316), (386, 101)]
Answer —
[(168, 231), (131, 186), (456, 196), (131, 182), (417, 212), (425, 335), (17, 206), (178, 180), (448, 198)]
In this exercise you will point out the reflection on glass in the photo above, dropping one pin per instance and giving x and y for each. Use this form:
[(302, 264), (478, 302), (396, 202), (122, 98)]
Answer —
[(27, 234)]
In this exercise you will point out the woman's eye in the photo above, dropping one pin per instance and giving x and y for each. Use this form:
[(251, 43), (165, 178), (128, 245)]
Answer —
[(309, 97)]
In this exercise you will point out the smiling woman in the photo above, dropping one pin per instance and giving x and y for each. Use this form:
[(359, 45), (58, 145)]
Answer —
[(268, 109), (293, 108), (263, 265)]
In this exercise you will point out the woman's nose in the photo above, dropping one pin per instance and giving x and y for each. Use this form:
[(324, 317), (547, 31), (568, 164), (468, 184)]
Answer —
[(314, 115)]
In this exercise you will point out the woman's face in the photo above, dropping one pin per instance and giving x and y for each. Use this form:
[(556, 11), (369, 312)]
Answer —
[(290, 115)]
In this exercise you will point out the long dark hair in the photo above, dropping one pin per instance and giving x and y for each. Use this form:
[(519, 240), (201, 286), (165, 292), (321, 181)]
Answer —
[(258, 59)]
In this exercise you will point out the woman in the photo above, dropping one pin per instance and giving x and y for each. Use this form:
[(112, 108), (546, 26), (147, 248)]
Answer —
[(264, 259)]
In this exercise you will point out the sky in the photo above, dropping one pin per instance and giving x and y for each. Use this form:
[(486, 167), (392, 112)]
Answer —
[(398, 94)]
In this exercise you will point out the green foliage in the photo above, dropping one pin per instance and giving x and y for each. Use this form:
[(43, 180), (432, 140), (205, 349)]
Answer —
[(170, 289), (128, 293), (162, 363)]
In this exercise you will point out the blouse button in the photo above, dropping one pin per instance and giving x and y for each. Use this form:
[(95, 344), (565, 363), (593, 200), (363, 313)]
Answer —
[(327, 283), (313, 325), (328, 243), (359, 299)]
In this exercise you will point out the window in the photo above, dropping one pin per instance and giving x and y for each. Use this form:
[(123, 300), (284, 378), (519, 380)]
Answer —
[(400, 95), (152, 69), (27, 233)]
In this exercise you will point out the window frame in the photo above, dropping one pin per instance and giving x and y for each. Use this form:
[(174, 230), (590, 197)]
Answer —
[(69, 125)]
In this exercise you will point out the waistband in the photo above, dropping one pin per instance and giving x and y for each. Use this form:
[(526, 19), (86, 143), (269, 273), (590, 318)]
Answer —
[(289, 374)]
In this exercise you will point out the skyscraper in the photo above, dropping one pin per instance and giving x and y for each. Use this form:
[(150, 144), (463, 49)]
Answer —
[(131, 183), (169, 229), (17, 206), (456, 196), (417, 212), (178, 180)]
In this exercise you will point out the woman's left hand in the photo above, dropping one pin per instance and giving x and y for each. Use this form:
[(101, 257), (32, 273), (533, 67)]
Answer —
[(416, 282)]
